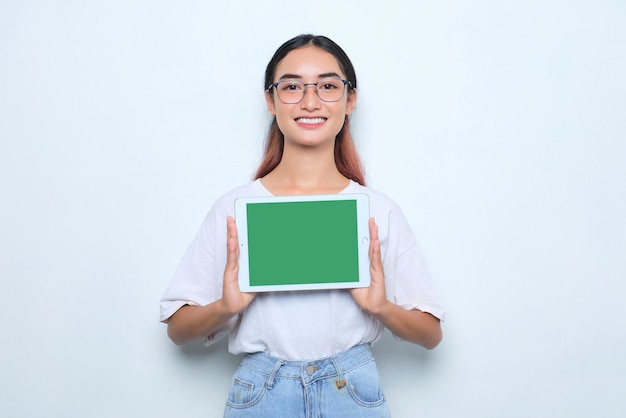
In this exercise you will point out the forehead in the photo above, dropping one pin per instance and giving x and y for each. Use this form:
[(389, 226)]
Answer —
[(308, 61)]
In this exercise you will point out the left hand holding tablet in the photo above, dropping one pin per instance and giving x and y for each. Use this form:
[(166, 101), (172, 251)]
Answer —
[(373, 299)]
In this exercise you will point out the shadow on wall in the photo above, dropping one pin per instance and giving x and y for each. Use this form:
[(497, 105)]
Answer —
[(401, 356), (196, 349)]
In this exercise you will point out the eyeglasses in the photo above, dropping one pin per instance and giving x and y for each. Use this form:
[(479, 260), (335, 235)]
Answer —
[(328, 89)]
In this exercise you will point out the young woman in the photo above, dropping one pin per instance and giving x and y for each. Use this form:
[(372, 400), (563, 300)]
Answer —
[(306, 353)]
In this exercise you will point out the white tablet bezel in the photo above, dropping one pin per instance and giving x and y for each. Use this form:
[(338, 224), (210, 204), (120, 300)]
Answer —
[(361, 240)]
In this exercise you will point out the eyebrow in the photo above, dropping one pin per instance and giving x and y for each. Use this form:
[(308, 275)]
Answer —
[(296, 76)]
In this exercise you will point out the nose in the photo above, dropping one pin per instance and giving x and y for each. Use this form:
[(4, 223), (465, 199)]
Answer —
[(311, 100)]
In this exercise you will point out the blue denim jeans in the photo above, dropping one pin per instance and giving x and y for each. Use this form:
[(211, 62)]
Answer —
[(345, 385)]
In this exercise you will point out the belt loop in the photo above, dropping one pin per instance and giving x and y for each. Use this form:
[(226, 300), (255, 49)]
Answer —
[(269, 383), (341, 381)]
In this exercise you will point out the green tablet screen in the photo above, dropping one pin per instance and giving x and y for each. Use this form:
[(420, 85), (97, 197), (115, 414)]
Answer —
[(302, 242)]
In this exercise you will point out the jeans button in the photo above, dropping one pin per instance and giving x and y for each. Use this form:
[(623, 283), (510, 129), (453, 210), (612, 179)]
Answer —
[(310, 370)]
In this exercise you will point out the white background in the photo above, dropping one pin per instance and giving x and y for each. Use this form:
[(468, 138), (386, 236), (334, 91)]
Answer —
[(499, 127)]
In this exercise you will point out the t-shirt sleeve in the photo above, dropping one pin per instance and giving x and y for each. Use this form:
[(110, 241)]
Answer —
[(198, 280), (409, 283)]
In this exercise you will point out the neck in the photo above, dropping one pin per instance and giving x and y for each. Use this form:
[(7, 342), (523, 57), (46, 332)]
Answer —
[(305, 170)]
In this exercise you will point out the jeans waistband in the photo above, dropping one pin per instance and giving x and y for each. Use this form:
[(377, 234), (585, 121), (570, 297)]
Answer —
[(309, 370)]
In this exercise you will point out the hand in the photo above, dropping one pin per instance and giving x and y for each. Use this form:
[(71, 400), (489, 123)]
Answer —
[(373, 299), (233, 300)]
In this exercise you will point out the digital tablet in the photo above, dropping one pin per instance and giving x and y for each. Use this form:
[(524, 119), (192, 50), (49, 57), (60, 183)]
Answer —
[(303, 242)]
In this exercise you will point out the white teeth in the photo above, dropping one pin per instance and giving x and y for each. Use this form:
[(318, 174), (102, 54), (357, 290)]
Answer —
[(311, 121)]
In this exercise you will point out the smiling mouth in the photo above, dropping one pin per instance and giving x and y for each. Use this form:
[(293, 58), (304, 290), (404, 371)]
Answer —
[(311, 121)]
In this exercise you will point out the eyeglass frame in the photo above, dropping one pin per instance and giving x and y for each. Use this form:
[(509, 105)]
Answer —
[(345, 83)]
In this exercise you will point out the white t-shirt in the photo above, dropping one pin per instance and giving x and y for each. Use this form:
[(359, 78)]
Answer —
[(301, 325)]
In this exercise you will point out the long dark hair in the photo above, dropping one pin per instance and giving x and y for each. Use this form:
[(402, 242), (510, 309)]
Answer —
[(346, 157)]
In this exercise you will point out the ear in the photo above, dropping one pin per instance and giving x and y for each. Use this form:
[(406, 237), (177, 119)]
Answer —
[(271, 106), (351, 101)]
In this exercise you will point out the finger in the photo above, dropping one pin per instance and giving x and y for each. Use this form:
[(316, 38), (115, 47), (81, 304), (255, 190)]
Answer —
[(232, 244), (373, 229), (374, 249)]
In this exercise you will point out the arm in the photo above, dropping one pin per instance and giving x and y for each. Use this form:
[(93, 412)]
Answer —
[(191, 322), (412, 325)]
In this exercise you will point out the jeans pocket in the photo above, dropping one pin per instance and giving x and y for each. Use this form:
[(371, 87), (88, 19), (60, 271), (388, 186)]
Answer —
[(364, 385), (247, 388)]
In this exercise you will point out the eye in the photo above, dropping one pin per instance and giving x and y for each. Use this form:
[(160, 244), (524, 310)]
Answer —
[(329, 85), (290, 86)]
